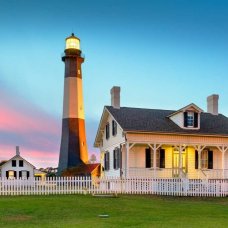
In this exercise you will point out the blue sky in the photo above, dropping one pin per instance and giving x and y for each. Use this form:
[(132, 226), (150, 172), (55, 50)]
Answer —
[(164, 54)]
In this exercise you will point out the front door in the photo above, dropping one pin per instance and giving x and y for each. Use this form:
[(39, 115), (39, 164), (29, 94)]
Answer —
[(176, 158)]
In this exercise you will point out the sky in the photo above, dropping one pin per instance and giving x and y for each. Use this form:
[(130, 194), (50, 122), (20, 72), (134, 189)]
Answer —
[(163, 54)]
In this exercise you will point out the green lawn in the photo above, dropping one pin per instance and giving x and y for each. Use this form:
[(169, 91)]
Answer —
[(124, 211)]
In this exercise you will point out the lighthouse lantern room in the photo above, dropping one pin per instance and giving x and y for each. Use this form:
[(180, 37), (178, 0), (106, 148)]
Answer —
[(72, 42)]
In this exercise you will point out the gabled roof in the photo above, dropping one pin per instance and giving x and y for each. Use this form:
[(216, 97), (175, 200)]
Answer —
[(157, 121), (18, 156), (102, 124), (192, 105), (2, 163)]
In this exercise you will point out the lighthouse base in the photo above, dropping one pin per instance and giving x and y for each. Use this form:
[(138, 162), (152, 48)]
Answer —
[(73, 149)]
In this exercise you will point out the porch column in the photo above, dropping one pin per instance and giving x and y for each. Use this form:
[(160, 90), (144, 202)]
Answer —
[(181, 148), (180, 158), (154, 159), (223, 164), (199, 159), (127, 160), (199, 148), (223, 149), (154, 148)]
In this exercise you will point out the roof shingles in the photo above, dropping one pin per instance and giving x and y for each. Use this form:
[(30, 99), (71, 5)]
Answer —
[(156, 120)]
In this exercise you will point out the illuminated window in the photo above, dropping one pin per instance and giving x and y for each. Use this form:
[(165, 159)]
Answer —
[(11, 174)]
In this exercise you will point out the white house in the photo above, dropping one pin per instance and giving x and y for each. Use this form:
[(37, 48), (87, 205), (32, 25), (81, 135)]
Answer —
[(17, 167), (137, 142)]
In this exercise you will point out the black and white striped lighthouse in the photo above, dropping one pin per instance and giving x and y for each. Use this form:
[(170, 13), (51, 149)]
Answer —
[(73, 149)]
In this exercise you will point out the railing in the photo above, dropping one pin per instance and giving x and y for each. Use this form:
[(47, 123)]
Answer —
[(149, 172), (86, 185), (156, 173), (216, 173), (176, 172), (201, 174)]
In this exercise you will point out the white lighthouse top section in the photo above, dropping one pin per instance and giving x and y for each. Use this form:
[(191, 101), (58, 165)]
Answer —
[(72, 42), (73, 106)]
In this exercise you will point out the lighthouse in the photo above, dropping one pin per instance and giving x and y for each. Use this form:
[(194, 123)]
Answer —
[(73, 149)]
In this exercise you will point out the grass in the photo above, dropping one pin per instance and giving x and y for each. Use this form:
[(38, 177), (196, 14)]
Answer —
[(125, 211)]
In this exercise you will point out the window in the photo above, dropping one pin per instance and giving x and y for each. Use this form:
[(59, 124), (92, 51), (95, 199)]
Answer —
[(107, 131), (196, 159), (190, 119), (21, 163), (148, 158), (160, 158), (114, 128), (210, 159), (11, 174), (24, 174), (14, 163), (106, 161), (204, 159), (116, 158)]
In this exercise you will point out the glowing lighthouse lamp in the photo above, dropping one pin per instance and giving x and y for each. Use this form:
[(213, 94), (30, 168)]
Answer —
[(73, 149), (72, 42)]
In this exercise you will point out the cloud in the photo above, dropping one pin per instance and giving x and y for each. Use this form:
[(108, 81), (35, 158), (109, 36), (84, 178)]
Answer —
[(24, 124), (37, 132)]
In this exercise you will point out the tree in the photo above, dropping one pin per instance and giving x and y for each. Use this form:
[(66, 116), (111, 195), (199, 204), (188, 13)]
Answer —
[(93, 159)]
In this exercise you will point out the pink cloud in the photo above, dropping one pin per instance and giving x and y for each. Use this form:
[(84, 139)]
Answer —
[(35, 131), (39, 158), (17, 121)]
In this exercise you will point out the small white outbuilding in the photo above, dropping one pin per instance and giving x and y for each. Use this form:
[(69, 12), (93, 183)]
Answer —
[(17, 167)]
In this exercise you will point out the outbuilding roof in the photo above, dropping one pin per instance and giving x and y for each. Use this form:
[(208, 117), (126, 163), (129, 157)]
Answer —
[(17, 156), (156, 120)]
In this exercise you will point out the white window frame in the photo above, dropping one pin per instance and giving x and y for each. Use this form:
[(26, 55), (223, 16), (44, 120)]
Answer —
[(190, 115)]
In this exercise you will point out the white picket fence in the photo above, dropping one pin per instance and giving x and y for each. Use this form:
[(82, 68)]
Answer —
[(87, 185)]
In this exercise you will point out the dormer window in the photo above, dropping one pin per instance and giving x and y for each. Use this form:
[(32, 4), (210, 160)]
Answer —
[(187, 117), (191, 119)]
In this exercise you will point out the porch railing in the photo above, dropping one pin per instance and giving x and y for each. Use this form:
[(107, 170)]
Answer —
[(216, 173), (151, 172), (176, 172)]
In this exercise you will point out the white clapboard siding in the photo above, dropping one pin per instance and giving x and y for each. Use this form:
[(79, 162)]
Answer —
[(111, 185)]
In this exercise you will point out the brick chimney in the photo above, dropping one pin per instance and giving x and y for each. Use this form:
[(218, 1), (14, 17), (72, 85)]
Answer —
[(212, 104), (17, 151), (115, 97)]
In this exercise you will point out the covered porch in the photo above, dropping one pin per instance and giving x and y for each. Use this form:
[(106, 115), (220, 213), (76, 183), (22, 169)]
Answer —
[(175, 160)]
